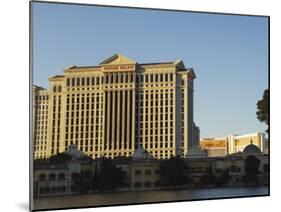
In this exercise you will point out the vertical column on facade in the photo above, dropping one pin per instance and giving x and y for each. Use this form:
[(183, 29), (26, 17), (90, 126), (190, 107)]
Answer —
[(128, 120), (191, 112), (163, 106), (62, 146), (133, 113), (173, 80), (55, 111), (101, 118), (108, 146), (94, 109), (113, 125), (120, 114), (185, 106), (123, 122), (154, 119), (158, 124), (103, 144), (118, 121), (91, 147), (85, 124), (126, 140), (149, 120), (169, 119)]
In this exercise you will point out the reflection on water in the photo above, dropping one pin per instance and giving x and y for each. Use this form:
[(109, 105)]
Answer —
[(145, 197)]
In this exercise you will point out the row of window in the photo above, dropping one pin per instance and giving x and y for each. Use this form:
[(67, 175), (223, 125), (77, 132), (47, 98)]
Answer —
[(146, 172), (165, 77), (117, 78), (57, 88), (41, 97)]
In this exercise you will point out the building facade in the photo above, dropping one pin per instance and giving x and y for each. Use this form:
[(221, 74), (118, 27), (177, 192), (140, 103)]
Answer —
[(110, 109), (40, 121), (142, 172), (218, 147)]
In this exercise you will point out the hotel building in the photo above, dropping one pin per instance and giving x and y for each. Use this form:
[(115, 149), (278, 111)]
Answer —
[(109, 109), (219, 147)]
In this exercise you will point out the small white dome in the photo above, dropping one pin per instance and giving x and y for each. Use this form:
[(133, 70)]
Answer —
[(74, 152), (140, 153)]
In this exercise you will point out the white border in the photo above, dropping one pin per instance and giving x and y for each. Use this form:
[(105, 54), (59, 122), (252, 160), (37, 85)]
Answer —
[(14, 22)]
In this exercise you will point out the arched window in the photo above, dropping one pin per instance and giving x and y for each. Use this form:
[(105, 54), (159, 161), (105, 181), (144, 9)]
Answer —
[(233, 168), (74, 176), (42, 177), (61, 176), (52, 176), (54, 89), (59, 88), (265, 167)]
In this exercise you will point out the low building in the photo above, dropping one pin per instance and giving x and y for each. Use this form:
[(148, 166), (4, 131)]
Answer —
[(142, 171), (60, 178)]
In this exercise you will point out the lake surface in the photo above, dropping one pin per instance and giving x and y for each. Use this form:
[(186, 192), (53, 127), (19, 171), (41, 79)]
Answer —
[(133, 197)]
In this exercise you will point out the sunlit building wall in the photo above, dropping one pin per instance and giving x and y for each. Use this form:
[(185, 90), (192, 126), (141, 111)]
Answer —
[(40, 109), (233, 144), (109, 109)]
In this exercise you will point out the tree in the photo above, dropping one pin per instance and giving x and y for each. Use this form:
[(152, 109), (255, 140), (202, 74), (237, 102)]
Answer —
[(110, 177), (208, 178), (263, 109), (251, 168), (173, 172)]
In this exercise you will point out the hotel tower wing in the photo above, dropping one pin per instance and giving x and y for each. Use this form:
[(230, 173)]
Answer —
[(109, 109)]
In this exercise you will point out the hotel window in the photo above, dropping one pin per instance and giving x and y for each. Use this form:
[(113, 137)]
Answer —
[(54, 88), (146, 78), (83, 82), (73, 82), (156, 77), (171, 77), (68, 82), (161, 77), (98, 80), (121, 78), (141, 80), (138, 172), (78, 81), (182, 82)]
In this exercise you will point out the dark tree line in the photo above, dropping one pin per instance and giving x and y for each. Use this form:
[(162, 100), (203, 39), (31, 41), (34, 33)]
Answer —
[(173, 172), (263, 109)]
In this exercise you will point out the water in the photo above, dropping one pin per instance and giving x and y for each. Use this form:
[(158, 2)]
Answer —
[(134, 197)]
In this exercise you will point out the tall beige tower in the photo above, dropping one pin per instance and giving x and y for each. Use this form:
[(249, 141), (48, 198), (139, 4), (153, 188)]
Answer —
[(109, 109)]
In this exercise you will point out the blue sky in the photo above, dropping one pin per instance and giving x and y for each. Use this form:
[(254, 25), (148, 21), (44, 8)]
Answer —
[(228, 53)]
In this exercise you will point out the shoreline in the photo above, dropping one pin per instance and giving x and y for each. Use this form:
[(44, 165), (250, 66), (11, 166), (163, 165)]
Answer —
[(146, 197)]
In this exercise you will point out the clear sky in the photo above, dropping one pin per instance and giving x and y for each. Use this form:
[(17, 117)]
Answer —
[(228, 53)]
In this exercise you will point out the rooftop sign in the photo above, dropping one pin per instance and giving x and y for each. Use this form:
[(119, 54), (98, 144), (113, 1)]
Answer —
[(117, 68)]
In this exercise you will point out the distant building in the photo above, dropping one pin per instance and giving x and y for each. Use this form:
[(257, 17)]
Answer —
[(107, 110), (143, 171), (218, 147)]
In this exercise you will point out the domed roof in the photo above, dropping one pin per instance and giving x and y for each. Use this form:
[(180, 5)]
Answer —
[(74, 152), (195, 152), (140, 153), (252, 149)]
